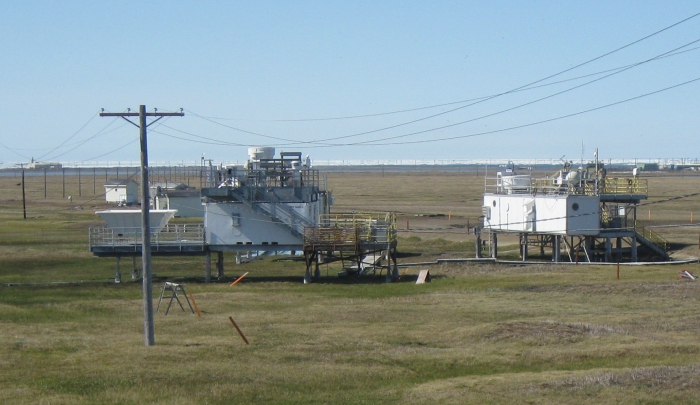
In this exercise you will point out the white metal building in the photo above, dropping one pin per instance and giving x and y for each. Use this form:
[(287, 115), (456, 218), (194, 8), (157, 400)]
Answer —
[(121, 191), (588, 217), (551, 214), (269, 204)]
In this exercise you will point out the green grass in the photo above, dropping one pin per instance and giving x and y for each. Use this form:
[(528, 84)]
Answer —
[(477, 334)]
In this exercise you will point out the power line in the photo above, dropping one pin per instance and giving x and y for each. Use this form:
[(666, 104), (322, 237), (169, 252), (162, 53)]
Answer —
[(240, 129), (13, 151), (370, 143), (441, 104), (99, 133), (468, 105), (378, 143), (69, 138), (323, 142), (112, 151), (521, 105), (212, 140)]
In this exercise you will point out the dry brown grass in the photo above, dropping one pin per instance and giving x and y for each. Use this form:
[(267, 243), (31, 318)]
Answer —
[(477, 334)]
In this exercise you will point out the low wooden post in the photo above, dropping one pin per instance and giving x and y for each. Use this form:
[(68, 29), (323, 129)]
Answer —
[(220, 265), (230, 318), (618, 271), (207, 267), (118, 273)]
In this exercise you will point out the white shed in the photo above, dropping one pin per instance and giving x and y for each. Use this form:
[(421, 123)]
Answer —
[(550, 214), (121, 191)]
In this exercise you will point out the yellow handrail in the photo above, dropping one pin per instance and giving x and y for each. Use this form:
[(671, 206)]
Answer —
[(654, 237), (621, 185), (348, 228)]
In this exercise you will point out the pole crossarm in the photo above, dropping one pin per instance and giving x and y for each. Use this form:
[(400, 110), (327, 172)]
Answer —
[(148, 114), (135, 114)]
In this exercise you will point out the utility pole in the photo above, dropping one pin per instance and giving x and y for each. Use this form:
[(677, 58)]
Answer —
[(148, 329), (24, 198)]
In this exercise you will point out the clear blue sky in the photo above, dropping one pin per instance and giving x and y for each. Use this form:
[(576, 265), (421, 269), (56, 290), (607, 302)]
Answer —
[(252, 65)]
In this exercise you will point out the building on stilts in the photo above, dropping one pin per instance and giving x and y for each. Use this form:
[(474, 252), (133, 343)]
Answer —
[(579, 215), (272, 205)]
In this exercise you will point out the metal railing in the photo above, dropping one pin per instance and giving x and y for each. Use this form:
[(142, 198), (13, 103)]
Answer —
[(331, 236), (548, 186), (170, 236), (353, 228), (286, 215), (621, 185), (652, 236)]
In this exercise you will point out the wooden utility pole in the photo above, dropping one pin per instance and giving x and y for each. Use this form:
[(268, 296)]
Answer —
[(148, 329), (24, 198)]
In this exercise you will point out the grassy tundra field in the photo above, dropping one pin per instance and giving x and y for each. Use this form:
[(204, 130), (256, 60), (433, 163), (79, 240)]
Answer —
[(477, 334)]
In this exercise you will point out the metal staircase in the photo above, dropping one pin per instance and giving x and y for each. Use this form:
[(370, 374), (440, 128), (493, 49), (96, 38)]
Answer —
[(652, 240), (278, 212)]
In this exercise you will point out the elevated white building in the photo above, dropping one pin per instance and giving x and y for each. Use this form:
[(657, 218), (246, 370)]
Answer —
[(265, 207), (273, 204), (581, 214)]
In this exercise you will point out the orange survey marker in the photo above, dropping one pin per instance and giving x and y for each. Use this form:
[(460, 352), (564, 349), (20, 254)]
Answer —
[(199, 314), (230, 318), (239, 279), (403, 274)]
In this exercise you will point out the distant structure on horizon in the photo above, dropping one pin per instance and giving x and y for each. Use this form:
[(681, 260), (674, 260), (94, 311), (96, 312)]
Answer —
[(33, 165)]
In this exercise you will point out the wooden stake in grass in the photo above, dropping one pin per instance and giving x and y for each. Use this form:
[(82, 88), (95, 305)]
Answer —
[(230, 318), (199, 314), (403, 274), (618, 271), (239, 279)]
